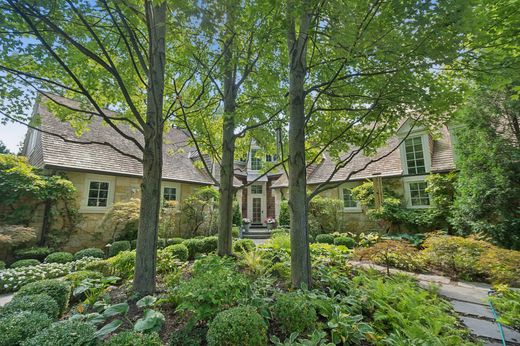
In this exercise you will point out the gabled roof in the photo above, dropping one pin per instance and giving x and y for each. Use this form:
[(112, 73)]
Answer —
[(54, 153), (389, 166)]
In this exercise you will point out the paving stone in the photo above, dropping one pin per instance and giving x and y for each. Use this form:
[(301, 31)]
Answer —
[(475, 285), (463, 294), (6, 298), (489, 329), (472, 309), (433, 278)]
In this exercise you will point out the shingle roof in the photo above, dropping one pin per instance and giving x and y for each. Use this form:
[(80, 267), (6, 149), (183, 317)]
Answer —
[(442, 160), (57, 153)]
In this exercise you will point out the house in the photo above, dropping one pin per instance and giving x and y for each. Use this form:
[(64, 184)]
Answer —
[(104, 176)]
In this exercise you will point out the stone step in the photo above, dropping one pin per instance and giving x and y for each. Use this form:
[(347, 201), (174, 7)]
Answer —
[(256, 235)]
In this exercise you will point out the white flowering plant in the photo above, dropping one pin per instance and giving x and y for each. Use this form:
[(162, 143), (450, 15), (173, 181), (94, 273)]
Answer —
[(13, 279)]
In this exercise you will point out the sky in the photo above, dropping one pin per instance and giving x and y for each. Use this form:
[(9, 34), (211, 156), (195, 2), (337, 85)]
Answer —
[(12, 134)]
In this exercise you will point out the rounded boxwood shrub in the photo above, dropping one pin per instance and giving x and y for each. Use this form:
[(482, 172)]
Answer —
[(209, 244), (130, 338), (241, 325), (18, 326), (25, 263), (194, 247), (101, 266), (65, 333), (59, 257), (118, 246), (38, 253), (58, 290), (38, 302), (179, 251), (173, 241), (325, 238), (241, 245), (345, 241), (235, 231), (293, 313), (89, 252)]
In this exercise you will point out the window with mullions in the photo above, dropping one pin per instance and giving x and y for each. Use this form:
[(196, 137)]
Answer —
[(170, 194), (256, 162), (98, 194), (418, 195), (348, 199), (415, 155), (256, 189)]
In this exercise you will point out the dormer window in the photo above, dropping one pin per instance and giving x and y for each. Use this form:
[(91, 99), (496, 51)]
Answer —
[(414, 152), (256, 162)]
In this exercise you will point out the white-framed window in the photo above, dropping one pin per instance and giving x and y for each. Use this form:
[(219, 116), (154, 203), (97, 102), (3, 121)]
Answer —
[(256, 189), (416, 195), (349, 202), (32, 141), (98, 193), (256, 162), (170, 192), (414, 155)]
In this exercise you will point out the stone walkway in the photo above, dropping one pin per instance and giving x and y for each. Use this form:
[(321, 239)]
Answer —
[(469, 300), (5, 298)]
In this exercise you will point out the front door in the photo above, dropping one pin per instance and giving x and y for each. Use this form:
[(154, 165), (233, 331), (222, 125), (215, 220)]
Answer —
[(257, 210)]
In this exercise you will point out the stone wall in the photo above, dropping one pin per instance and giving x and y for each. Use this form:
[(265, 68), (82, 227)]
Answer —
[(88, 232)]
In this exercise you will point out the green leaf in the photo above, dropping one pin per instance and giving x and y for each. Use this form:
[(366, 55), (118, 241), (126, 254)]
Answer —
[(146, 302), (109, 328), (151, 321), (113, 310)]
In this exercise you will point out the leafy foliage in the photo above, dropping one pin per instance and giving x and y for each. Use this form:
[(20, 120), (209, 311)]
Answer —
[(130, 338), (24, 263), (179, 251), (241, 325), (89, 252), (65, 333), (488, 189), (507, 302), (18, 326), (23, 188), (237, 214), (122, 219), (38, 253), (122, 264), (284, 220), (293, 313), (325, 238), (59, 257), (500, 266), (325, 215), (40, 302), (393, 253), (117, 247), (59, 290), (214, 286), (345, 241), (199, 212), (13, 237), (243, 245)]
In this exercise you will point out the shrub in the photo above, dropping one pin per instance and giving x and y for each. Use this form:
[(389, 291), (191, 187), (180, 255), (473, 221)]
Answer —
[(241, 325), (325, 238), (455, 256), (199, 212), (215, 284), (179, 251), (118, 246), (130, 338), (122, 219), (281, 270), (500, 266), (279, 242), (2, 265), (209, 244), (77, 277), (293, 313), (237, 213), (393, 253), (89, 252), (16, 327), (279, 231), (101, 266), (325, 215), (188, 336), (65, 333), (173, 241), (235, 231), (194, 246), (243, 245), (38, 253), (133, 244), (284, 219), (38, 302), (12, 279), (25, 263), (345, 241), (122, 264), (14, 237), (59, 257), (59, 291)]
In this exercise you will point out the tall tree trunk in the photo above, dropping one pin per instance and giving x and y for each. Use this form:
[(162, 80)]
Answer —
[(297, 45), (227, 163), (145, 268)]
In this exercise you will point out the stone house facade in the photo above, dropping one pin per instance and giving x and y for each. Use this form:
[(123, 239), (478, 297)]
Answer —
[(103, 175)]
